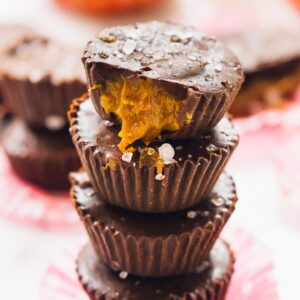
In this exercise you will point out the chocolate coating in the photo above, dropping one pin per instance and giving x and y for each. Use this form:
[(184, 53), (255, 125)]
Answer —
[(211, 283), (133, 185), (176, 242), (41, 157), (39, 79), (185, 62), (153, 225), (93, 131)]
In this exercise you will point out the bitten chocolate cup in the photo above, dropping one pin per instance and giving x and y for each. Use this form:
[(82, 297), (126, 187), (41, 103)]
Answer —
[(132, 180), (154, 77), (153, 245), (39, 79), (40, 157), (209, 283)]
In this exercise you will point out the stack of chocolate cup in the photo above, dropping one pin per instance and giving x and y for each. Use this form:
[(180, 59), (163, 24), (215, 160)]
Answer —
[(38, 80), (153, 204)]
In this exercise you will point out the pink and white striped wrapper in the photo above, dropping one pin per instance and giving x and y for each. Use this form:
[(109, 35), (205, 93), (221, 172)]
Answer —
[(23, 203), (253, 277)]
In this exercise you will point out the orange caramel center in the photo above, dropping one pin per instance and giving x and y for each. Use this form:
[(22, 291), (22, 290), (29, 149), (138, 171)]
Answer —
[(143, 109)]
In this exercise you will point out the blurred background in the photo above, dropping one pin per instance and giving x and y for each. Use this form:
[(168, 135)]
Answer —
[(265, 35)]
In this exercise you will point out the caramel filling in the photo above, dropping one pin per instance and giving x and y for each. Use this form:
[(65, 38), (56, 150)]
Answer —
[(143, 109)]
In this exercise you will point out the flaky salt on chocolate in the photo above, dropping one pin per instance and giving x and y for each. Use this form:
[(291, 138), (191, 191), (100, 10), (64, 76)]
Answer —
[(158, 77)]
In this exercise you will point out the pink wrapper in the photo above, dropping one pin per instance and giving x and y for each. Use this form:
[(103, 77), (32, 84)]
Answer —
[(287, 165), (253, 277), (23, 203)]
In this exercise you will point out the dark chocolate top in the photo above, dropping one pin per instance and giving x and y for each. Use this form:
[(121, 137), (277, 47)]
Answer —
[(37, 58), (221, 201), (20, 140), (264, 48), (169, 53), (91, 129), (96, 277)]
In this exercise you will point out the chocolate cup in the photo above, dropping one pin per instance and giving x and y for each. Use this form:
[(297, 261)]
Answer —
[(132, 186), (188, 64), (154, 245), (36, 90), (210, 282), (40, 157), (41, 103)]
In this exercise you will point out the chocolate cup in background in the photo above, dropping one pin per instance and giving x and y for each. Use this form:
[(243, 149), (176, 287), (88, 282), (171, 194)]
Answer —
[(188, 64), (154, 245), (40, 157), (196, 167), (210, 282), (39, 80), (41, 104), (271, 73), (10, 34)]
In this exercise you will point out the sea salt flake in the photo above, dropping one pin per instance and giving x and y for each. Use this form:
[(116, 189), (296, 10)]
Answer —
[(218, 68), (218, 201), (55, 122), (203, 213), (123, 275), (90, 192), (160, 176), (127, 156), (129, 46), (166, 152), (192, 214), (211, 147)]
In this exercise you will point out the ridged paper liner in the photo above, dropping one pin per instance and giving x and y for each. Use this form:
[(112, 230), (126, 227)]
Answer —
[(135, 188), (51, 174), (155, 255), (48, 170), (35, 101), (211, 289), (253, 278), (206, 112)]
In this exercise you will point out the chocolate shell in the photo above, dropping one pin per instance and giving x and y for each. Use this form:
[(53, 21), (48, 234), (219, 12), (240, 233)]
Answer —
[(210, 282), (39, 79), (129, 183), (186, 63), (40, 157), (153, 245)]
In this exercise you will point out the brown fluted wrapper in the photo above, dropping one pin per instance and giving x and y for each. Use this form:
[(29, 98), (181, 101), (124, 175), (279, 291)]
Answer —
[(153, 245), (134, 186), (40, 157), (39, 79), (34, 102), (209, 283)]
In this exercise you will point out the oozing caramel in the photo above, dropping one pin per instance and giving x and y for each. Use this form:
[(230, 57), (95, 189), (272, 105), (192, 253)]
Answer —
[(143, 109)]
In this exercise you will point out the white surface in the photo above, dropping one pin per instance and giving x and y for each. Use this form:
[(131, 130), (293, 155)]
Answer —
[(26, 251)]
